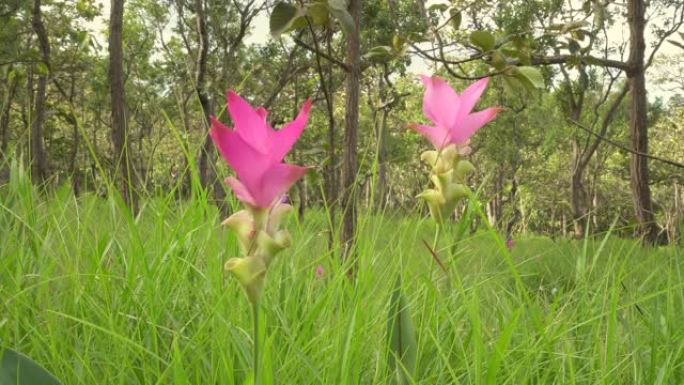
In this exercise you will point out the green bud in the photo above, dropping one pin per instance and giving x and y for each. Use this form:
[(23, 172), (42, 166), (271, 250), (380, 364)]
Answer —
[(463, 167), (250, 272), (242, 223), (435, 201), (269, 246)]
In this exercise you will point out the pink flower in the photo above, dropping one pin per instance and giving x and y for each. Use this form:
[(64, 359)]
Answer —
[(509, 244), (452, 113), (319, 271), (255, 151)]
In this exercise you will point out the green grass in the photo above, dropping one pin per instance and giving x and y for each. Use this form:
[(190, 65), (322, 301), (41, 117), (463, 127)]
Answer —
[(100, 297)]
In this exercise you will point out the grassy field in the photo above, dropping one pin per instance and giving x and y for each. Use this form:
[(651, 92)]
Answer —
[(100, 297)]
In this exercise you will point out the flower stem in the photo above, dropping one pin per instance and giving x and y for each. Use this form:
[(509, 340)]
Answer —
[(255, 318)]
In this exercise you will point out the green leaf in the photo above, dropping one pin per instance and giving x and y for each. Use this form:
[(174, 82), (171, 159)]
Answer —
[(319, 12), (398, 43), (402, 338), (456, 18), (42, 69), (17, 369), (338, 8), (531, 76), (440, 7), (483, 39), (381, 53), (283, 17), (498, 60), (11, 75)]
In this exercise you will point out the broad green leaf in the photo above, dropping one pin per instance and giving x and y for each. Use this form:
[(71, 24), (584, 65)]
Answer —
[(380, 53), (513, 87), (483, 39), (319, 12), (456, 18), (283, 17), (498, 60), (17, 369), (531, 75), (338, 8), (402, 338)]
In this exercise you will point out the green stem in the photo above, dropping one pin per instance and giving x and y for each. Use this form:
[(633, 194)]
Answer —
[(255, 318), (435, 241)]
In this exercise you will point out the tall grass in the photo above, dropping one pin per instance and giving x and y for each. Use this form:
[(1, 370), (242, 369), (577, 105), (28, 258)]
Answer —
[(98, 296)]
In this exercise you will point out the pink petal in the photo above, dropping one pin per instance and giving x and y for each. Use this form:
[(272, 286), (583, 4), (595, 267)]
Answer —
[(471, 95), (240, 191), (251, 126), (219, 133), (262, 112), (276, 181), (471, 123), (288, 135), (436, 135), (440, 101), (248, 163)]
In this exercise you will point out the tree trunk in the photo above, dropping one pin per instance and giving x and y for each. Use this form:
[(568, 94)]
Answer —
[(122, 164), (351, 123), (4, 118), (75, 142), (381, 182), (578, 192), (37, 150), (205, 163), (639, 178)]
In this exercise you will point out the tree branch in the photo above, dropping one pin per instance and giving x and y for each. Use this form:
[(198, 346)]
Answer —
[(624, 148)]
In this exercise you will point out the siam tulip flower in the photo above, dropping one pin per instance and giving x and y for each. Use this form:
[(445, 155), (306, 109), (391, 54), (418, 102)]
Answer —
[(451, 113), (454, 124), (509, 244), (255, 151), (319, 271)]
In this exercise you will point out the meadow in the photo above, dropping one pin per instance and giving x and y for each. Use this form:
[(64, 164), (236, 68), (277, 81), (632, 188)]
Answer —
[(98, 296)]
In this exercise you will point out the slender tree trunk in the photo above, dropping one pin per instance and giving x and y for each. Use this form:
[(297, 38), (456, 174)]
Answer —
[(578, 192), (122, 164), (75, 143), (37, 148), (639, 178), (351, 124), (381, 182), (5, 118), (205, 163)]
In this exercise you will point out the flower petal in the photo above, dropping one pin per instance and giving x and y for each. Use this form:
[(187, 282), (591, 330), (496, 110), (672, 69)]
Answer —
[(471, 95), (276, 181), (219, 132), (471, 123), (241, 191), (251, 126), (248, 163), (286, 137), (440, 101), (262, 112), (436, 135)]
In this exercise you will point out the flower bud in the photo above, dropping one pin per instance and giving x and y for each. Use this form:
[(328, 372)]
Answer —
[(250, 272)]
